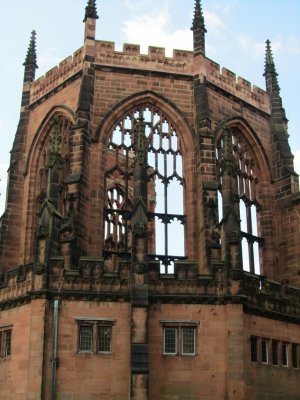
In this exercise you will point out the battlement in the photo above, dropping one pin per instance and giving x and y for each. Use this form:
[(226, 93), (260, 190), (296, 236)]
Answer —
[(238, 86), (57, 75), (182, 62), (131, 57)]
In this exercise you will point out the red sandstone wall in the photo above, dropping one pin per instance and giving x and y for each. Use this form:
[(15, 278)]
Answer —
[(91, 376), (21, 374), (269, 381), (213, 373)]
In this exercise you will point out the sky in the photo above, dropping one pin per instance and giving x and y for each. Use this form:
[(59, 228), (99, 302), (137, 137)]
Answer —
[(237, 31)]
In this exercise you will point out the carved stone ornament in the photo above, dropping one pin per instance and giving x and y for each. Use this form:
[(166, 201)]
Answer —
[(40, 268), (140, 229), (140, 268), (233, 237), (42, 231)]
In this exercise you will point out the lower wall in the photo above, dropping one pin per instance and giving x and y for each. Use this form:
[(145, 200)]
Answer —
[(204, 376), (21, 373), (91, 376), (221, 369), (264, 380)]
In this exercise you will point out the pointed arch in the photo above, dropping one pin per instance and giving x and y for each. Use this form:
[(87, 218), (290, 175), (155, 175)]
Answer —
[(42, 132), (263, 164), (141, 99)]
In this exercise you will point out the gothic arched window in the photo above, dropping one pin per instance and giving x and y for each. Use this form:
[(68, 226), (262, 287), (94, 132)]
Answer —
[(245, 180), (165, 187), (55, 153)]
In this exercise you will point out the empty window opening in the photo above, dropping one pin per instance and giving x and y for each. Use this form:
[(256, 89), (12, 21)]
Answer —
[(264, 351), (285, 356), (253, 348), (165, 187), (274, 352), (244, 186)]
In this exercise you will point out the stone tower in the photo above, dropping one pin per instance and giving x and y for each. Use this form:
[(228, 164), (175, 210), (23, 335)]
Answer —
[(149, 249)]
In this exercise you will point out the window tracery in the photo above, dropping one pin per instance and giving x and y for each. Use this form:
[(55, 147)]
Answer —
[(244, 186), (165, 187)]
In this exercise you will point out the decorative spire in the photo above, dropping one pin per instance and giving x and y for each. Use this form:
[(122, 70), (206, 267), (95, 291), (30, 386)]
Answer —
[(198, 22), (91, 10), (198, 29), (270, 70), (31, 52)]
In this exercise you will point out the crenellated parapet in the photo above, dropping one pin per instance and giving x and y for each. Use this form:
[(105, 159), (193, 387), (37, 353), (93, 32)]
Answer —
[(131, 57), (237, 86), (99, 278), (56, 77)]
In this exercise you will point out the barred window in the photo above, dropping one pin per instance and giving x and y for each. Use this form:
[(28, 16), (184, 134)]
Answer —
[(188, 341), (179, 337), (5, 342), (170, 341), (104, 339), (95, 335), (86, 338)]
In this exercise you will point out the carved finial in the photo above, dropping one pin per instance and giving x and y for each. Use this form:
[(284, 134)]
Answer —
[(270, 70), (91, 10), (198, 21), (198, 29), (31, 52)]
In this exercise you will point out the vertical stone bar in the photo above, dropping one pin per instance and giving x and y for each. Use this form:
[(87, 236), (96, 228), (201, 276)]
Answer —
[(139, 285)]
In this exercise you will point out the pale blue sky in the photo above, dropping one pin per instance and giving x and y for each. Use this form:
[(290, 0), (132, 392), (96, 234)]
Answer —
[(237, 30)]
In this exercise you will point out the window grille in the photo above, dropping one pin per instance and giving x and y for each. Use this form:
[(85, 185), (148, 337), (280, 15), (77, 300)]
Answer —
[(86, 338), (170, 341), (104, 339), (188, 341), (5, 342)]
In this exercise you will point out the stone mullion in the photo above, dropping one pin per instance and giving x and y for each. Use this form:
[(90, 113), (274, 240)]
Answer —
[(139, 269)]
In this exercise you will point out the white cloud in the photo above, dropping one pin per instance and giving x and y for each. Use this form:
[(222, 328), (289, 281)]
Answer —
[(150, 33)]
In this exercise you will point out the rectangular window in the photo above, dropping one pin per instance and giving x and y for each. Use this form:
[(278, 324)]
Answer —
[(274, 352), (188, 341), (253, 344), (295, 355), (285, 349), (86, 338), (170, 341), (264, 351), (104, 339), (5, 342)]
